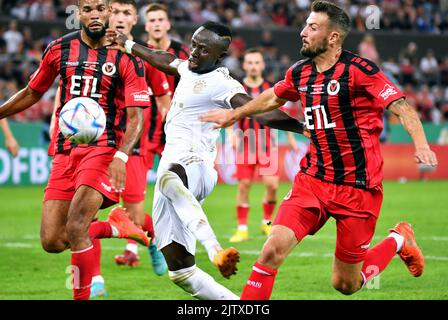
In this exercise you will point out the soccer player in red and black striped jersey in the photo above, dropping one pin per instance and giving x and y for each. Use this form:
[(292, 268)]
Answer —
[(344, 97), (256, 146), (157, 26), (85, 178)]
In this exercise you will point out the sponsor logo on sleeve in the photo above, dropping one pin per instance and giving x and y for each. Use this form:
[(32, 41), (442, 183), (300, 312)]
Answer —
[(387, 92), (141, 96)]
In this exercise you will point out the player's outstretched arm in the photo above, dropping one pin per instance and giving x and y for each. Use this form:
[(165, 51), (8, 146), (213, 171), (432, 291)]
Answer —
[(134, 127), (276, 119), (265, 102), (411, 122), (10, 141), (22, 100), (159, 59)]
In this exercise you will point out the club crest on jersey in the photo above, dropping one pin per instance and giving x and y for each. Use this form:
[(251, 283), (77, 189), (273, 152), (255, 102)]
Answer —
[(333, 87), (108, 68), (387, 92), (199, 86)]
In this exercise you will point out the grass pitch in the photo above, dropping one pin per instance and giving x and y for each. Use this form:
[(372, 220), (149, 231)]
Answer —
[(28, 272)]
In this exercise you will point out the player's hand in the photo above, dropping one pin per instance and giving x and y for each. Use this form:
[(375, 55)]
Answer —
[(222, 117), (117, 174), (117, 39), (424, 155), (12, 146), (306, 132)]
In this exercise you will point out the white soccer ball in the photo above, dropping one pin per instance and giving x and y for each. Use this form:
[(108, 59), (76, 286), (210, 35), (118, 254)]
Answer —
[(82, 120)]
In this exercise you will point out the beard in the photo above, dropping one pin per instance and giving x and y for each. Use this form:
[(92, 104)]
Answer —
[(314, 52), (95, 35)]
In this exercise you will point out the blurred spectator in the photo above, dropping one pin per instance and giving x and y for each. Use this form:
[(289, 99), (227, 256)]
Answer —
[(443, 69), (425, 103), (407, 72), (429, 68), (367, 49), (12, 37), (410, 53), (392, 67)]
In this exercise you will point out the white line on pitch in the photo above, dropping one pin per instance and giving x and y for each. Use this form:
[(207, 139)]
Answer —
[(23, 245)]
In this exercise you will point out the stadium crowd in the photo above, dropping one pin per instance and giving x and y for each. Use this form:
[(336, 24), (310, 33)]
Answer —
[(422, 75)]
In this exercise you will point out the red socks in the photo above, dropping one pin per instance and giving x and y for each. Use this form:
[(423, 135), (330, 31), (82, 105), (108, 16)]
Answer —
[(82, 272), (242, 212), (260, 283), (268, 210), (100, 229), (148, 226), (378, 258)]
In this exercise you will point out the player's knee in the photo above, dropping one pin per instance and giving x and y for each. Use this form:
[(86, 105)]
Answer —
[(271, 189), (76, 231), (273, 254), (244, 186), (53, 245), (345, 287)]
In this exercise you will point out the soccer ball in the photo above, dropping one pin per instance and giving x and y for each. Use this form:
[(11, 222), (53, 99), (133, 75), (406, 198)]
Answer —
[(82, 120)]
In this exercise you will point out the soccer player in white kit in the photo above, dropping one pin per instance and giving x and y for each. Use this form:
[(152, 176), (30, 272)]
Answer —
[(186, 173)]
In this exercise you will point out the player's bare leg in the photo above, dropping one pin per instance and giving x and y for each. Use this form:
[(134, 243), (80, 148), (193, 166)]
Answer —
[(349, 278), (269, 202), (278, 245), (83, 208), (185, 274), (242, 211), (53, 235)]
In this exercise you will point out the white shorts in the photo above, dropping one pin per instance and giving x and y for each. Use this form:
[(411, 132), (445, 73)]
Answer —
[(202, 178)]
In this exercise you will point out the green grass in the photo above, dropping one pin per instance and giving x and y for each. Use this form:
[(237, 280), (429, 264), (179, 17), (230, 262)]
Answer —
[(27, 272)]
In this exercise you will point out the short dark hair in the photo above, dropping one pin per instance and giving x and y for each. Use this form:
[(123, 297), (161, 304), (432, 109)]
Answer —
[(131, 2), (79, 2), (158, 7), (253, 50), (220, 29), (338, 17)]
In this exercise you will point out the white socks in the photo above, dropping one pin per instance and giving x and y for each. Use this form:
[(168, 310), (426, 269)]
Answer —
[(98, 279), (200, 284), (398, 238), (132, 247), (189, 211)]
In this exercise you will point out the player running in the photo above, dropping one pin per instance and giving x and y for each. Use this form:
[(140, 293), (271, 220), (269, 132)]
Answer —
[(344, 97), (124, 17), (256, 146), (85, 178), (186, 173)]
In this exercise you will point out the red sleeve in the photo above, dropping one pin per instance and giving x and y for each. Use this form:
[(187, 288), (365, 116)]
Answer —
[(184, 53), (132, 72), (42, 79), (377, 85), (156, 80), (285, 88)]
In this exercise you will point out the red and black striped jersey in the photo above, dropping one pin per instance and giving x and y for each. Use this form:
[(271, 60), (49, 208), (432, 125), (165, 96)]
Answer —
[(343, 109), (251, 128), (156, 134), (152, 133), (114, 79)]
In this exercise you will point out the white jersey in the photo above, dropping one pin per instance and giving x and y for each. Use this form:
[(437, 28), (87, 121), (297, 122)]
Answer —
[(195, 95)]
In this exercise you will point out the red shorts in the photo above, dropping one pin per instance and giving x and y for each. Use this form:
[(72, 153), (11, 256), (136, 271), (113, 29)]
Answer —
[(135, 188), (266, 162), (153, 151), (81, 166), (311, 202)]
